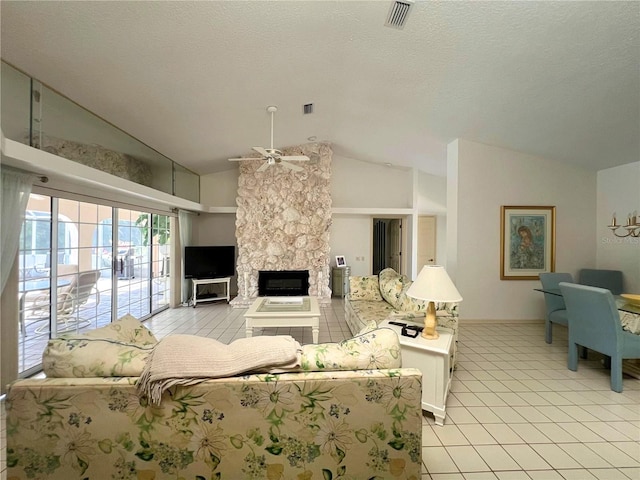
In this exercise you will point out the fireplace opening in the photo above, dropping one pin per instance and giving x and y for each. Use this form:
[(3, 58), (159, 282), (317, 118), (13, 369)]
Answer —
[(282, 283)]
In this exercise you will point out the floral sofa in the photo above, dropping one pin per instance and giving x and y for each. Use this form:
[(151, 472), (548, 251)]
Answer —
[(375, 298), (349, 411)]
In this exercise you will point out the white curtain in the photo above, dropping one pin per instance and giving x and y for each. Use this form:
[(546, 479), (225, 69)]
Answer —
[(16, 188), (184, 223)]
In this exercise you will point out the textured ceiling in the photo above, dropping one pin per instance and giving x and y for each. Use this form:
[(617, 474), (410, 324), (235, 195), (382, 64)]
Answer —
[(192, 79)]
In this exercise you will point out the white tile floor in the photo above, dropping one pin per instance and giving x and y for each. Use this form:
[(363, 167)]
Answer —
[(514, 412)]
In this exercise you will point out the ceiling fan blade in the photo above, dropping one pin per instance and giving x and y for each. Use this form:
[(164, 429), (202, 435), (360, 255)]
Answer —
[(295, 158), (245, 158), (291, 166), (261, 151), (263, 167)]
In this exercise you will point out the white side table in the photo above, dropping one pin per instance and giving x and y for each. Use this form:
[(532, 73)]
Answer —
[(433, 359), (208, 281)]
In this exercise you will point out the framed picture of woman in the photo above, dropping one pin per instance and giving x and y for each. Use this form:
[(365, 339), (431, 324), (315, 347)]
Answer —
[(527, 242), (340, 262)]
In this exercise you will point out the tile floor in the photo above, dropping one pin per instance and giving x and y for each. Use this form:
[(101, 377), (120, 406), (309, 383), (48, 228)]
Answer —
[(514, 411)]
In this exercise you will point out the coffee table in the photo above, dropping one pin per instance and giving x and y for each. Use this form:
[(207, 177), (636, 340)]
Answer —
[(284, 312)]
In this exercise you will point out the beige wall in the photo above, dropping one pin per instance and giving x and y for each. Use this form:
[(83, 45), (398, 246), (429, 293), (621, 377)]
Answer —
[(357, 184), (619, 191), (489, 177), (220, 189)]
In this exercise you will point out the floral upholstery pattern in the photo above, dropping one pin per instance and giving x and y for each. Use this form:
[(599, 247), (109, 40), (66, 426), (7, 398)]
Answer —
[(127, 329), (397, 305), (365, 288), (306, 425), (88, 357), (392, 286), (118, 349), (375, 349)]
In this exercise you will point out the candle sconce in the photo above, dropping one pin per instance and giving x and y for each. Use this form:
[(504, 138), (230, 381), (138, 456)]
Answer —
[(632, 228)]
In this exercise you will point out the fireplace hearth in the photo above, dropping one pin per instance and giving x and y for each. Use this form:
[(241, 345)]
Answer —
[(282, 283)]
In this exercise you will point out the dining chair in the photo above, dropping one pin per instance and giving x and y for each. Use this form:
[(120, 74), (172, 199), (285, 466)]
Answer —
[(594, 323), (556, 309), (595, 277)]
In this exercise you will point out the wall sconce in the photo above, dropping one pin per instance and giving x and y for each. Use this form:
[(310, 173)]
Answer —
[(632, 227)]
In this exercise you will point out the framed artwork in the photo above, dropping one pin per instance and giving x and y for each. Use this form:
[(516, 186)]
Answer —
[(527, 242), (340, 261)]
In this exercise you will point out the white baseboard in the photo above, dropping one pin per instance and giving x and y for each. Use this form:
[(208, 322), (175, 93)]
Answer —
[(504, 321)]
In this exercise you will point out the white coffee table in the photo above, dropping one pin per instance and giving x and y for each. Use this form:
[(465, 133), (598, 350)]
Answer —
[(282, 312), (433, 359)]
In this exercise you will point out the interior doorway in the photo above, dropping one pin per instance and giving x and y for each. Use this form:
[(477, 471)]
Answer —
[(426, 254), (387, 244)]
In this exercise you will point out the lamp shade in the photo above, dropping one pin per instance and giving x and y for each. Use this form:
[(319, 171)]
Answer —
[(433, 284)]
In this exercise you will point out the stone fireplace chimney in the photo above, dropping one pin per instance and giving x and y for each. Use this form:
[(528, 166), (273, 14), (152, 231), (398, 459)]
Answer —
[(283, 221)]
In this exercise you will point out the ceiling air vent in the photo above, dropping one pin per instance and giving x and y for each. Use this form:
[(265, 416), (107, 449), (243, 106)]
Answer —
[(398, 13), (307, 108)]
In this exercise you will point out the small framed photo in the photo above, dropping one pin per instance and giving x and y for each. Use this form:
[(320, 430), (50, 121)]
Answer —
[(527, 242), (340, 261)]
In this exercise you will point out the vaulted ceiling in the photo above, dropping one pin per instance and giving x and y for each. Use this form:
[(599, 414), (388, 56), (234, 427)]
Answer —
[(193, 79)]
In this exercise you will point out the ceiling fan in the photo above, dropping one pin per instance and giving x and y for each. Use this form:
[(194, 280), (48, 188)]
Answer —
[(273, 156)]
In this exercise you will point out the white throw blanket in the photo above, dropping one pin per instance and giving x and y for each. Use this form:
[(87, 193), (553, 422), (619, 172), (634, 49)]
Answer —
[(189, 359)]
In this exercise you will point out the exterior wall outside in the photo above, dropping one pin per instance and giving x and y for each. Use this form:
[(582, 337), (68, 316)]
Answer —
[(619, 191), (489, 177)]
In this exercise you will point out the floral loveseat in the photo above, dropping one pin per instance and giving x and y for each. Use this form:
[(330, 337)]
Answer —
[(349, 412), (375, 298)]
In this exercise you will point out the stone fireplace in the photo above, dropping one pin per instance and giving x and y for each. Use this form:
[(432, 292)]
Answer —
[(283, 221)]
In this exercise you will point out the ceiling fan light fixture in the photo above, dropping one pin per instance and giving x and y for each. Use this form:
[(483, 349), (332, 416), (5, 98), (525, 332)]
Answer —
[(273, 155)]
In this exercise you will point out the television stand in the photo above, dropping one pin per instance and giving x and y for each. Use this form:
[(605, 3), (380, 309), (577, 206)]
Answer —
[(208, 297)]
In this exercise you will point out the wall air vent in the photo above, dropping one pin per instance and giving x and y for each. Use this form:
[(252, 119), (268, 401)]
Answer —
[(307, 108), (398, 13)]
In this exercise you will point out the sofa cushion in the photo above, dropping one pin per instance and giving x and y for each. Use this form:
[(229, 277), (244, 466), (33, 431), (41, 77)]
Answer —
[(392, 284), (127, 329), (119, 349), (364, 288), (410, 304), (377, 349), (368, 327)]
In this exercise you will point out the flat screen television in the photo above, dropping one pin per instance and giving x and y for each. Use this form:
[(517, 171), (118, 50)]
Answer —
[(209, 262)]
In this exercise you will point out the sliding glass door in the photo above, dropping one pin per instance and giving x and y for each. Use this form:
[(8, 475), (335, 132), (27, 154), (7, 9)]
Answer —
[(83, 265)]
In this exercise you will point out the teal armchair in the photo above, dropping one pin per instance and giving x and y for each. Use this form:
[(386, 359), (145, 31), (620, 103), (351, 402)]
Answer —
[(556, 309), (594, 323)]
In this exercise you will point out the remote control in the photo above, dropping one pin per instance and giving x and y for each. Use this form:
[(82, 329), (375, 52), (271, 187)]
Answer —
[(400, 324)]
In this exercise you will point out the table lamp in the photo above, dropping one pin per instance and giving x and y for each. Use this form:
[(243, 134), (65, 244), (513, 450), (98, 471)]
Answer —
[(433, 285)]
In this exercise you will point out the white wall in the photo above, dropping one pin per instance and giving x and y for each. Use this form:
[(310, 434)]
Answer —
[(359, 184), (432, 200), (489, 177), (619, 191), (219, 189), (351, 236)]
